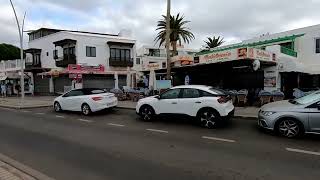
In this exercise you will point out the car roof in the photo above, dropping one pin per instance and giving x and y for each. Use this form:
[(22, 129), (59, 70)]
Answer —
[(201, 87)]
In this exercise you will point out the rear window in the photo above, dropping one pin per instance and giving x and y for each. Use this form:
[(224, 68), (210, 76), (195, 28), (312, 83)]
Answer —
[(99, 91), (93, 91), (218, 91)]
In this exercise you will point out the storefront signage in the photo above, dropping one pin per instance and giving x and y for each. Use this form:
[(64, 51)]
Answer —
[(153, 66), (219, 56), (182, 60), (84, 69), (75, 76), (261, 55)]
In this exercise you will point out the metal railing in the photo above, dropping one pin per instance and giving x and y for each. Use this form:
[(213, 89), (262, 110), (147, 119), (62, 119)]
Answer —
[(289, 52), (10, 65)]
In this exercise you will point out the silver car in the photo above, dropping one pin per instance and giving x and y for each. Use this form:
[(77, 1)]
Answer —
[(293, 117)]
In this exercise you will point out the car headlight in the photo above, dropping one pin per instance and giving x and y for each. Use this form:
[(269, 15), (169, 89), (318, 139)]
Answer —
[(267, 113)]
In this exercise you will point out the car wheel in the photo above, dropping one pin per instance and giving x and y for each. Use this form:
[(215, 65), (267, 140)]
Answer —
[(147, 113), (289, 128), (208, 118), (86, 109), (57, 107)]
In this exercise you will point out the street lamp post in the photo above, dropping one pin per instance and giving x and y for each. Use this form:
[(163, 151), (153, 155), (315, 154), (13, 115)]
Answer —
[(20, 29), (168, 32)]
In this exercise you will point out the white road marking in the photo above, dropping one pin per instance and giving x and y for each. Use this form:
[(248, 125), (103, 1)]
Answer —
[(303, 151), (40, 114), (157, 130), (117, 125), (62, 117), (219, 139), (84, 120), (25, 111)]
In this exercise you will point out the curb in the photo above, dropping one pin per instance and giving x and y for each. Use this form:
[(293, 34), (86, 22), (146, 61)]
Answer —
[(28, 107), (27, 170)]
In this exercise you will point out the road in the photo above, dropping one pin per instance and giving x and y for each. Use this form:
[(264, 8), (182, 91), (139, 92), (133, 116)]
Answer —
[(117, 145)]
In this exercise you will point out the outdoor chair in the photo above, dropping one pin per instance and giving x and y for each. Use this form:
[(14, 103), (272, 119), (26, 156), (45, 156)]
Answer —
[(265, 97), (119, 94), (277, 96), (242, 96), (233, 95)]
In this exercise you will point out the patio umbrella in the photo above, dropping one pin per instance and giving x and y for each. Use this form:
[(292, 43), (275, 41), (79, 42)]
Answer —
[(116, 80), (152, 80)]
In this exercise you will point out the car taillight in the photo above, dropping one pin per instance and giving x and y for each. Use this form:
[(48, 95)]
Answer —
[(222, 99), (97, 98)]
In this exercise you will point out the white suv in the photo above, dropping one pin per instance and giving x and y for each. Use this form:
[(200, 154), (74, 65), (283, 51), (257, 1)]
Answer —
[(207, 104)]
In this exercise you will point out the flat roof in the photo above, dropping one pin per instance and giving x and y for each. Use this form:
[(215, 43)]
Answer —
[(58, 30)]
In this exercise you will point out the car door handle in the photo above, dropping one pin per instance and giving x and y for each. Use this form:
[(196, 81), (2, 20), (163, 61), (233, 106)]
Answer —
[(174, 103), (198, 102)]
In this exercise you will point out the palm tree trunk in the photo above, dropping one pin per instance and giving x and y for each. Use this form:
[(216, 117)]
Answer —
[(168, 32), (174, 48)]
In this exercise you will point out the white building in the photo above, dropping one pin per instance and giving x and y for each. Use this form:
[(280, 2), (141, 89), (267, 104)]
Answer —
[(286, 60), (152, 57), (60, 59)]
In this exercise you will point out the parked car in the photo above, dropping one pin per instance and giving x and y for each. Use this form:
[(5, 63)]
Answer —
[(85, 101), (207, 104), (292, 118)]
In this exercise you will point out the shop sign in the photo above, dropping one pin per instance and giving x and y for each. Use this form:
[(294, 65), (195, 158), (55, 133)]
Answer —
[(85, 69), (261, 55), (153, 66), (182, 60), (270, 82), (214, 57), (75, 76), (242, 53)]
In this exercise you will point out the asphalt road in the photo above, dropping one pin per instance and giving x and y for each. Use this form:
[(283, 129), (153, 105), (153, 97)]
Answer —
[(117, 145)]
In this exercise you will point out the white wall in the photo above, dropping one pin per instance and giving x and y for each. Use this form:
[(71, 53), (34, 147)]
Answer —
[(83, 40)]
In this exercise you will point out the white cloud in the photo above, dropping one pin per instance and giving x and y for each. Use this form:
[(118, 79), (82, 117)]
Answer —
[(233, 19)]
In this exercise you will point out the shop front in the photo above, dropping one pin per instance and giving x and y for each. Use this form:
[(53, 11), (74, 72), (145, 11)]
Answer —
[(82, 76)]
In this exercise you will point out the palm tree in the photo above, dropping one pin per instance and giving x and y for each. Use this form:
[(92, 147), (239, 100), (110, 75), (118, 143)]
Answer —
[(179, 32), (213, 42)]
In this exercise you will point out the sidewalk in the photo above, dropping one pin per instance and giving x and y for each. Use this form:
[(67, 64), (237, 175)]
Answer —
[(13, 170), (8, 172), (29, 102)]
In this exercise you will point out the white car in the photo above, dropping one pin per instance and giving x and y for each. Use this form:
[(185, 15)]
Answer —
[(85, 101), (207, 104)]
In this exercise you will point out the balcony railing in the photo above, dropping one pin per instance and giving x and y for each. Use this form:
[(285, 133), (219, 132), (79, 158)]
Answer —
[(289, 52), (66, 60), (121, 62), (10, 65)]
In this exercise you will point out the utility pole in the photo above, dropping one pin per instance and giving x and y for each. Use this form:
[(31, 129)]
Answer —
[(20, 29), (168, 32)]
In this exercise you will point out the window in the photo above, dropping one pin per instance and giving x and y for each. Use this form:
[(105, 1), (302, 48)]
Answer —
[(47, 53), (206, 94), (190, 93), (318, 45), (171, 94), (120, 54), (55, 54), (90, 51), (138, 61), (154, 52), (74, 93)]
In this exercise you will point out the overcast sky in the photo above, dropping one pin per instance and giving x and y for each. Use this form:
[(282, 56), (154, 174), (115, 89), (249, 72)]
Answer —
[(235, 20)]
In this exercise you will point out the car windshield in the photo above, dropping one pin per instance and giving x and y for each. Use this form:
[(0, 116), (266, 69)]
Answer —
[(307, 99)]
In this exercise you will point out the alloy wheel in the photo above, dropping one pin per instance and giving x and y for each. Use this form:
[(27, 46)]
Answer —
[(146, 113), (86, 109), (57, 107), (289, 128), (208, 119)]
